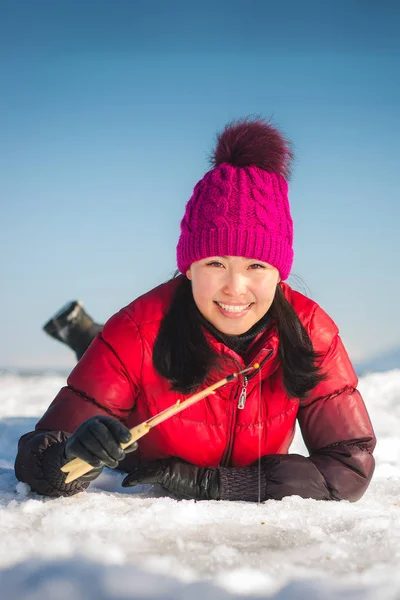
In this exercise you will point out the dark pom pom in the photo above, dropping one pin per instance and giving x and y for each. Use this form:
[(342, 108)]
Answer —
[(253, 142)]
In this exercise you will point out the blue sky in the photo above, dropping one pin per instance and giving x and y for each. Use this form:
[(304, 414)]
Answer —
[(108, 114)]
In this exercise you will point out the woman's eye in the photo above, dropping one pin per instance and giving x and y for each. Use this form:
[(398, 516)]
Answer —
[(215, 263), (257, 266)]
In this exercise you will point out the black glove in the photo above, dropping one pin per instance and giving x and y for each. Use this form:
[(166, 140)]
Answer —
[(97, 441), (178, 477)]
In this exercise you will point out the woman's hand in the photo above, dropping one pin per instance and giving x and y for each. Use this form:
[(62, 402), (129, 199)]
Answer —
[(97, 441), (178, 477)]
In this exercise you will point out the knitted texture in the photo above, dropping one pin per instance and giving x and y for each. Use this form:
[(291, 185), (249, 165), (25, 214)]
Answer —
[(52, 460), (242, 484), (238, 211)]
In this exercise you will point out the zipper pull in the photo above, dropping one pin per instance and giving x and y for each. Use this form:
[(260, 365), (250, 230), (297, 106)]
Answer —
[(243, 394)]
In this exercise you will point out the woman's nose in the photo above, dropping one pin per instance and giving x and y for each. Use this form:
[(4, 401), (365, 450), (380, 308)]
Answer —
[(235, 284)]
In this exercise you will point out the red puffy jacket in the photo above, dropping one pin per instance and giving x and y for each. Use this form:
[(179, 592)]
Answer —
[(116, 377)]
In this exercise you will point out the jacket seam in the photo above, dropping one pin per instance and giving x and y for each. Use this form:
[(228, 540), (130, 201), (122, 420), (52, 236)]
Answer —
[(268, 419), (311, 321), (130, 317), (346, 388), (200, 422), (323, 354), (361, 444), (126, 371), (141, 340), (93, 401)]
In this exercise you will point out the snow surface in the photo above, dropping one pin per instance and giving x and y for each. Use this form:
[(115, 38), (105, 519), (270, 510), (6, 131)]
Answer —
[(112, 543)]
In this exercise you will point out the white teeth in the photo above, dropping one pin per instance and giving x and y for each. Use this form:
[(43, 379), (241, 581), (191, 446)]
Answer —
[(233, 309)]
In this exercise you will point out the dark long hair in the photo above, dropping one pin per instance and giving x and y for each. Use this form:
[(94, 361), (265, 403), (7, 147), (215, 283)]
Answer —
[(182, 354), (301, 372)]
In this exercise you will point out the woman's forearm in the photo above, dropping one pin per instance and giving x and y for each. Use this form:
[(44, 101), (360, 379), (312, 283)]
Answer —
[(340, 472)]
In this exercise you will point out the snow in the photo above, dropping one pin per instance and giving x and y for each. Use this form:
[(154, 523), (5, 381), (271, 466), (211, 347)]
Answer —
[(116, 543)]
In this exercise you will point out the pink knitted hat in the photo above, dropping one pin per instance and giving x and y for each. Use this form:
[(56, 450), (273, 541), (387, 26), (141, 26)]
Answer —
[(241, 207)]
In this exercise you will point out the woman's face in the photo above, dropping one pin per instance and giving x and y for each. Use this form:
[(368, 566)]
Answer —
[(233, 292)]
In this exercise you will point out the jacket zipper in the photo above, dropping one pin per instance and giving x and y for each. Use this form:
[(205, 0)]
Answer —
[(240, 405), (254, 373), (243, 394), (232, 423)]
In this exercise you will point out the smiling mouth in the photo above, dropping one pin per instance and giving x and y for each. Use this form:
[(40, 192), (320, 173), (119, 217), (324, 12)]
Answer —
[(234, 308)]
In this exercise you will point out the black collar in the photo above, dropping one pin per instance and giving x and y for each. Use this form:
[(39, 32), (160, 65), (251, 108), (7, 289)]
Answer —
[(238, 343)]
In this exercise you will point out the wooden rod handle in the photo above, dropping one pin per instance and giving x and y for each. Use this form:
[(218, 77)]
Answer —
[(78, 467)]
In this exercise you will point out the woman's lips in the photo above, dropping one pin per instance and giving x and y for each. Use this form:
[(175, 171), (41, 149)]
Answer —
[(233, 311)]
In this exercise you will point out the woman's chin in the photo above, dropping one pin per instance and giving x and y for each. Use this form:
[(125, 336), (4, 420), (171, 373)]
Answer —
[(233, 326)]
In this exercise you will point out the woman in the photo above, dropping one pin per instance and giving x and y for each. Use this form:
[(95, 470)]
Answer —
[(228, 309)]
